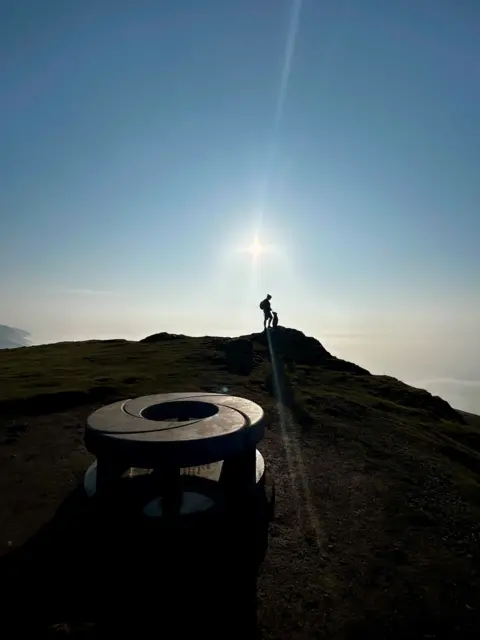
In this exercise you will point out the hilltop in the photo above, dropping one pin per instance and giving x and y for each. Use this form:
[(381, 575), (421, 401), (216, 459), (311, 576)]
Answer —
[(378, 497), (11, 337)]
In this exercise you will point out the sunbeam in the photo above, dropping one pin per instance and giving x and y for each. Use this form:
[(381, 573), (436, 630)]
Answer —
[(297, 471), (292, 33), (287, 62)]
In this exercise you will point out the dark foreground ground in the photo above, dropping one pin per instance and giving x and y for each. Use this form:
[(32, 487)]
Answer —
[(377, 490)]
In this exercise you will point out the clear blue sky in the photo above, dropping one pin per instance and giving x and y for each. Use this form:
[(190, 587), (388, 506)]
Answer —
[(145, 143)]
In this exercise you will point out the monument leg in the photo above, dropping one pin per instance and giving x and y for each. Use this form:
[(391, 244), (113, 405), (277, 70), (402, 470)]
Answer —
[(238, 475), (108, 470)]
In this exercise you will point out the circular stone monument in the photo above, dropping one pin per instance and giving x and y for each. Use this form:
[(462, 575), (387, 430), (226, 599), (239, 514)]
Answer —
[(178, 439)]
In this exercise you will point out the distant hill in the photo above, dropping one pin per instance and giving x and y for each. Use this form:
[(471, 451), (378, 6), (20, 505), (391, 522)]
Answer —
[(11, 337), (378, 483)]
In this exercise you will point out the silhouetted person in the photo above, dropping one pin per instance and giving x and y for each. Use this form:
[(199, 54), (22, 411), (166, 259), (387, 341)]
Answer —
[(266, 307), (275, 319)]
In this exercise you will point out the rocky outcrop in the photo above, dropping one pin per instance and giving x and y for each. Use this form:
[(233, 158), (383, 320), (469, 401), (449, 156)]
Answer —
[(162, 337), (395, 391), (295, 347), (292, 345)]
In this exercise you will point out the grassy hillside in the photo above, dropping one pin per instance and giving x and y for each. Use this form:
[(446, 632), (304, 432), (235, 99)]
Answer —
[(378, 497)]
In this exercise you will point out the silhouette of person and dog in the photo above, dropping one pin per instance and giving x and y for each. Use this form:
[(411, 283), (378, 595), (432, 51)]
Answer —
[(270, 317)]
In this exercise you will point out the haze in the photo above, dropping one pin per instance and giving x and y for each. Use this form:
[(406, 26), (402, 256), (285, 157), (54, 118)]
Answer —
[(145, 145)]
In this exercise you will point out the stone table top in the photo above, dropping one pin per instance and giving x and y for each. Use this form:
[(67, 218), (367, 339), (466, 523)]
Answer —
[(175, 429)]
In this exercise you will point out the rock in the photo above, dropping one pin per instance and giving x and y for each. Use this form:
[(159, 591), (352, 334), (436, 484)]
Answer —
[(162, 337), (293, 345), (239, 353)]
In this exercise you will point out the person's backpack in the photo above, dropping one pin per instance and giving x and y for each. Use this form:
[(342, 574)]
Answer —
[(263, 305)]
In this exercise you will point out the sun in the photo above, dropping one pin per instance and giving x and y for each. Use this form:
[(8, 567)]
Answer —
[(256, 248)]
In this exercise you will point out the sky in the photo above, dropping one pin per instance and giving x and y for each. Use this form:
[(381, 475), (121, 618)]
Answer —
[(145, 145)]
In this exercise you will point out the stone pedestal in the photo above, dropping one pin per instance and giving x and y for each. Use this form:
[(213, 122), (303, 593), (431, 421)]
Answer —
[(182, 512)]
